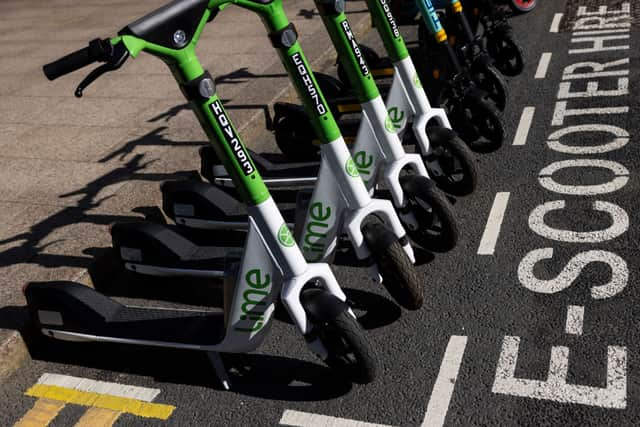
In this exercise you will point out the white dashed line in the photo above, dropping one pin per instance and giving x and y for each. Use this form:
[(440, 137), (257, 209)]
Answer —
[(526, 119), (445, 383), (100, 387), (305, 419), (543, 65), (555, 24), (492, 229), (575, 320)]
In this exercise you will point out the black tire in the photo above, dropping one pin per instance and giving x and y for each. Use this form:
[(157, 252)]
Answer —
[(479, 124), (294, 137), (399, 275), (523, 6), (506, 53), (451, 164), (350, 352), (488, 78), (437, 227)]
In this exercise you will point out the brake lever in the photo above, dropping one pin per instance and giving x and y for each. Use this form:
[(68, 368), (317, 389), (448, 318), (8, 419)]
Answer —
[(117, 58)]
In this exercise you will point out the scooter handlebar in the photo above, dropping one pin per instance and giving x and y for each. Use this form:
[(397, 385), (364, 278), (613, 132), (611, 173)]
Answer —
[(98, 50)]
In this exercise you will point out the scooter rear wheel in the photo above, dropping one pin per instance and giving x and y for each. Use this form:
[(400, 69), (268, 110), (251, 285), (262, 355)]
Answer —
[(488, 78), (437, 227), (399, 275), (349, 351), (451, 164), (294, 137), (506, 53)]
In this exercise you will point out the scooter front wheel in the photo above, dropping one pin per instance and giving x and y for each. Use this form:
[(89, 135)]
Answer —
[(506, 53), (479, 123), (349, 351), (450, 163), (488, 78), (399, 275), (437, 228)]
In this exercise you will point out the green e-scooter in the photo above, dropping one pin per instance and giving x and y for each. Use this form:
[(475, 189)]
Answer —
[(378, 155), (272, 265), (449, 162), (472, 113), (340, 204)]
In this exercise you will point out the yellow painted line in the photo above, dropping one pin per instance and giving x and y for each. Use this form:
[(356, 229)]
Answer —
[(349, 108), (42, 413), (116, 403), (382, 72), (98, 417)]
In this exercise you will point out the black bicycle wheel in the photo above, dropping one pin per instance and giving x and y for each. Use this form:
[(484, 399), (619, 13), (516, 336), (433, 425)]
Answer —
[(399, 275), (451, 164), (437, 227), (506, 53), (349, 351)]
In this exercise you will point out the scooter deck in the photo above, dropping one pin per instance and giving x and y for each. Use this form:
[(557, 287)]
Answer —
[(211, 167), (190, 199), (71, 307), (150, 243)]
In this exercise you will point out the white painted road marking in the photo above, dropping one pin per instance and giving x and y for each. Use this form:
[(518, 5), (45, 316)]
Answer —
[(555, 24), (100, 387), (556, 388), (543, 65), (526, 119), (305, 419), (492, 229), (575, 320), (445, 383)]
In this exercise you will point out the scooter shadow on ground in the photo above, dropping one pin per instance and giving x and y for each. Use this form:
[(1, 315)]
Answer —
[(263, 376), (29, 246), (238, 76)]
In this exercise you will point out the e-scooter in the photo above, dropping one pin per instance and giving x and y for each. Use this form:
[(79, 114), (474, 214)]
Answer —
[(472, 113), (470, 50), (378, 153), (497, 35), (340, 203), (271, 266), (448, 160)]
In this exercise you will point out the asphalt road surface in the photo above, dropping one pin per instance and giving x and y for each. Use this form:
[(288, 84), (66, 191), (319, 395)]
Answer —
[(531, 320)]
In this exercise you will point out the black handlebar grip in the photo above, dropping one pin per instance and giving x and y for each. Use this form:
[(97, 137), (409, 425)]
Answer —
[(69, 63)]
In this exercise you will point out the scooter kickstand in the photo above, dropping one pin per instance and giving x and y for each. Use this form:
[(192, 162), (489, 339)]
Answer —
[(221, 372)]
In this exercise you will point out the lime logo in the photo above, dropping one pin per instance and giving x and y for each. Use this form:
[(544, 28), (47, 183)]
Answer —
[(417, 82), (395, 120), (255, 300), (316, 230), (285, 237), (351, 168), (364, 163)]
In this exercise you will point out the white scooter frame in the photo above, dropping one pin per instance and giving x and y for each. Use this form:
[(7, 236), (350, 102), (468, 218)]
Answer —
[(270, 266)]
